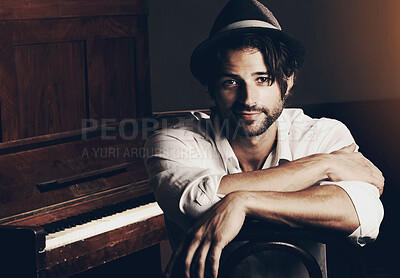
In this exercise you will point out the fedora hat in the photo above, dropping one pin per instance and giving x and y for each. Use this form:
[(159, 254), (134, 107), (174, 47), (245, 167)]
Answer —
[(244, 16)]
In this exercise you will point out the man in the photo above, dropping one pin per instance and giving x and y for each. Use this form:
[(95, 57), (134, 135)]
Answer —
[(254, 158)]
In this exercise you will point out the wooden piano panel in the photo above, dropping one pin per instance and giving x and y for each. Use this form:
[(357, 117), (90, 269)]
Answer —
[(112, 78), (46, 97), (55, 72), (62, 161)]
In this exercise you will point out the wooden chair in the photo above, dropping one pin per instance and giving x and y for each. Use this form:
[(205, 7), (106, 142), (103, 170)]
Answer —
[(260, 236)]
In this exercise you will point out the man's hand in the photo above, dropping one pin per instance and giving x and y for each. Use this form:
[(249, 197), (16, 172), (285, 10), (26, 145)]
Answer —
[(325, 206), (347, 165), (202, 248)]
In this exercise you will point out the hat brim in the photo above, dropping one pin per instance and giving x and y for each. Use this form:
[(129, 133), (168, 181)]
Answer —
[(200, 54)]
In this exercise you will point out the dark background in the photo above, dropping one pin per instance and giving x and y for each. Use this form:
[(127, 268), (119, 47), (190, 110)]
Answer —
[(352, 49)]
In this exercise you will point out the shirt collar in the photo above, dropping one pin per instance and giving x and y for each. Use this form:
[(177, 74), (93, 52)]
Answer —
[(224, 148), (283, 150), (281, 154)]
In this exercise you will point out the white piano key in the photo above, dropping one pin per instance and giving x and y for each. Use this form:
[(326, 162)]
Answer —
[(101, 225)]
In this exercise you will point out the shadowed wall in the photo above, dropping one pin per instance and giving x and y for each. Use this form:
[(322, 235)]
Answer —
[(353, 49)]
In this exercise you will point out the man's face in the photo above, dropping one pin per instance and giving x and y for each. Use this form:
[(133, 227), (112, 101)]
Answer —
[(244, 93)]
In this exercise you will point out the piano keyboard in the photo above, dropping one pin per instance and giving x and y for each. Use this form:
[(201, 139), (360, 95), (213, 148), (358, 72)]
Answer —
[(101, 225)]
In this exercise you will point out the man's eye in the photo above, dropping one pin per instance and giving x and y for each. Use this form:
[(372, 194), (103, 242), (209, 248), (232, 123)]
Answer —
[(264, 80), (229, 83)]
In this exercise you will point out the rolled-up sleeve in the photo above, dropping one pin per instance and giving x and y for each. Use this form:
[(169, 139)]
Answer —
[(369, 209), (184, 173), (364, 196)]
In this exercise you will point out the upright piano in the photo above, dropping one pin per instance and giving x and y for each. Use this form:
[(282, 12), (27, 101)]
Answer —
[(74, 97)]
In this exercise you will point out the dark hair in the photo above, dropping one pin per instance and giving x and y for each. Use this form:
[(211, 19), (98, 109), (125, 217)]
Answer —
[(278, 58)]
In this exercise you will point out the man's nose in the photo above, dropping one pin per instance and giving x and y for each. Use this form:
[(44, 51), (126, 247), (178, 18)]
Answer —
[(248, 95)]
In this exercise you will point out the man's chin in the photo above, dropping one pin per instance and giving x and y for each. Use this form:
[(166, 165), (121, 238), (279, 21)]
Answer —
[(252, 132), (249, 128)]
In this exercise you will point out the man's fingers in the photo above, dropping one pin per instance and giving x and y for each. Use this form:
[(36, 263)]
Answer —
[(214, 255), (351, 148), (199, 262), (348, 149), (189, 256), (377, 176), (379, 183), (353, 165), (168, 272)]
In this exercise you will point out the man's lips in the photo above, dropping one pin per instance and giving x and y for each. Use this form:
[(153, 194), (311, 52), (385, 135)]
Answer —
[(246, 115)]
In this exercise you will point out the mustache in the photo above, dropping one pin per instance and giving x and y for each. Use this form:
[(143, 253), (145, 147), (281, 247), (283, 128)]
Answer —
[(241, 107)]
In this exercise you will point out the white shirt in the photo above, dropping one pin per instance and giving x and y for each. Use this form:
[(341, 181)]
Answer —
[(186, 163)]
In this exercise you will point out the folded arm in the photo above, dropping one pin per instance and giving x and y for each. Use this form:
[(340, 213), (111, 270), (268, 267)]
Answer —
[(325, 206), (299, 204), (341, 165)]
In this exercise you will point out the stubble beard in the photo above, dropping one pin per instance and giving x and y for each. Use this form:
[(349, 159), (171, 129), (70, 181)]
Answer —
[(251, 128)]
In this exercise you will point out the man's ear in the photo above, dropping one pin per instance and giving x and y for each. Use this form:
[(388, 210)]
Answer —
[(290, 83)]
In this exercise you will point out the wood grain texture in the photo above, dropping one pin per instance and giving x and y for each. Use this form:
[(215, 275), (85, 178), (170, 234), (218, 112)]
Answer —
[(72, 29), (143, 78), (20, 172), (8, 86), (56, 72), (112, 78), (77, 257), (30, 9), (49, 101), (87, 203)]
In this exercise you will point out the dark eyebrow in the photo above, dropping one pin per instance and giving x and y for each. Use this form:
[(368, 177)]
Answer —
[(225, 74), (260, 73)]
